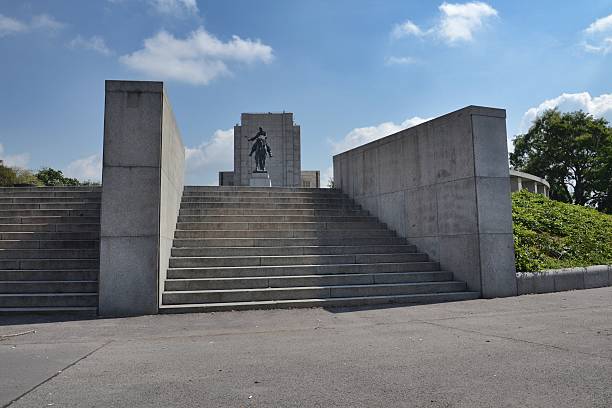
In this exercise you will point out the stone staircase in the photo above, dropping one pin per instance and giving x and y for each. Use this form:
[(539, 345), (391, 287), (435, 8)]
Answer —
[(49, 249), (253, 248)]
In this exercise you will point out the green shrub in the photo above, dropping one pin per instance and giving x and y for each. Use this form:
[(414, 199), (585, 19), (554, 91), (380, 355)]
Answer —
[(26, 177), (7, 176), (549, 234), (52, 177)]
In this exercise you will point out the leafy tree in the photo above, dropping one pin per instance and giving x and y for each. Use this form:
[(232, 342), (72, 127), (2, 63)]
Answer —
[(7, 176), (25, 177), (573, 152), (52, 177)]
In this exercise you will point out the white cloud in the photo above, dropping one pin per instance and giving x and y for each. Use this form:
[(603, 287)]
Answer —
[(457, 22), (197, 59), (93, 43), (85, 169), (599, 36), (460, 21), (600, 25), (204, 162), (177, 8), (16, 160), (599, 106), (326, 176), (10, 25), (360, 136), (407, 28), (400, 61)]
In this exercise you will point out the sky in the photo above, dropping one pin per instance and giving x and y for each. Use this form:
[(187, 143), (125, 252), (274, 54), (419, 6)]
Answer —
[(351, 71)]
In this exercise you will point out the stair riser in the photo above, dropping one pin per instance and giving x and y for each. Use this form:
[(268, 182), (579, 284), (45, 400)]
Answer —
[(49, 227), (272, 212), (328, 303), (49, 220), (267, 200), (52, 194), (294, 260), (296, 281), (272, 226), (273, 218), (49, 245), (47, 236), (42, 189), (171, 298), (49, 275), (38, 200), (270, 206), (194, 273), (50, 206), (292, 250), (286, 242), (48, 287), (262, 194), (343, 234), (50, 264), (48, 301), (50, 213), (23, 254)]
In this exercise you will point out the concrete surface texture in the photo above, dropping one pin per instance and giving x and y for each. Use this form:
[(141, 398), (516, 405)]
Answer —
[(443, 185), (557, 280), (260, 180), (142, 181), (284, 140), (549, 350)]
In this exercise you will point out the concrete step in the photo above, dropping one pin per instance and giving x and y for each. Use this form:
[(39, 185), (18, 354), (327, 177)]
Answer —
[(67, 310), (233, 261), (48, 236), (271, 205), (63, 286), (321, 292), (50, 220), (49, 275), (273, 212), (274, 218), (291, 250), (75, 189), (50, 244), (305, 280), (24, 254), (50, 213), (326, 303), (80, 263), (272, 194), (48, 300), (85, 227), (238, 189), (266, 226), (348, 234), (285, 242), (50, 206), (53, 194), (268, 200), (292, 270), (38, 200)]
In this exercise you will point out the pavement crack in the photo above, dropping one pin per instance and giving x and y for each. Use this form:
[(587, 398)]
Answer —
[(56, 374)]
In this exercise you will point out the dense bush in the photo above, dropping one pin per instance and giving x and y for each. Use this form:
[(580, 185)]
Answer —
[(549, 234), (52, 177)]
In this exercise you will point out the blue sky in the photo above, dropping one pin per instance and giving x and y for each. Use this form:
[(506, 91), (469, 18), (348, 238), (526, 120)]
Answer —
[(350, 70)]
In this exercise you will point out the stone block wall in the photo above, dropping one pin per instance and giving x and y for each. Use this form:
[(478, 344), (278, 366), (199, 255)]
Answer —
[(444, 185)]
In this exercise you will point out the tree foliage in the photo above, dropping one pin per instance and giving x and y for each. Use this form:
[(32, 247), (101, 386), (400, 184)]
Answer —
[(549, 234), (7, 176), (573, 152), (53, 177)]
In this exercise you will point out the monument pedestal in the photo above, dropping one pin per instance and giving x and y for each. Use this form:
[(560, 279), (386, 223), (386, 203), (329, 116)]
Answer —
[(260, 180)]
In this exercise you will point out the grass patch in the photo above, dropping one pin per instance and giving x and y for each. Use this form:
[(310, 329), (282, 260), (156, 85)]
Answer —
[(550, 234)]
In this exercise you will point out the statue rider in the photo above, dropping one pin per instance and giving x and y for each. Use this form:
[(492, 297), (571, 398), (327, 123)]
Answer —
[(260, 147)]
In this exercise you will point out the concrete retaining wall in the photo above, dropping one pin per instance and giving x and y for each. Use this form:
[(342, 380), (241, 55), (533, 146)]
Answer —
[(142, 181), (444, 185), (559, 280)]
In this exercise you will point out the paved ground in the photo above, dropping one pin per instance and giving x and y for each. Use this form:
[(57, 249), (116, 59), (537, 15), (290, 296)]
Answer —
[(551, 350)]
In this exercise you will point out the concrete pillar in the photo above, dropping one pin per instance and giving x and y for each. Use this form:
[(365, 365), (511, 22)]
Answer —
[(142, 183)]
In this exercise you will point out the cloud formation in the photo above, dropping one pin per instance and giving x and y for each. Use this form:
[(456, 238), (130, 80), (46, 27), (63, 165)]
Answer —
[(216, 154), (85, 169), (400, 61), (177, 8), (598, 36), (197, 59), (20, 160), (599, 106), (363, 135), (93, 43), (11, 26), (456, 23)]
